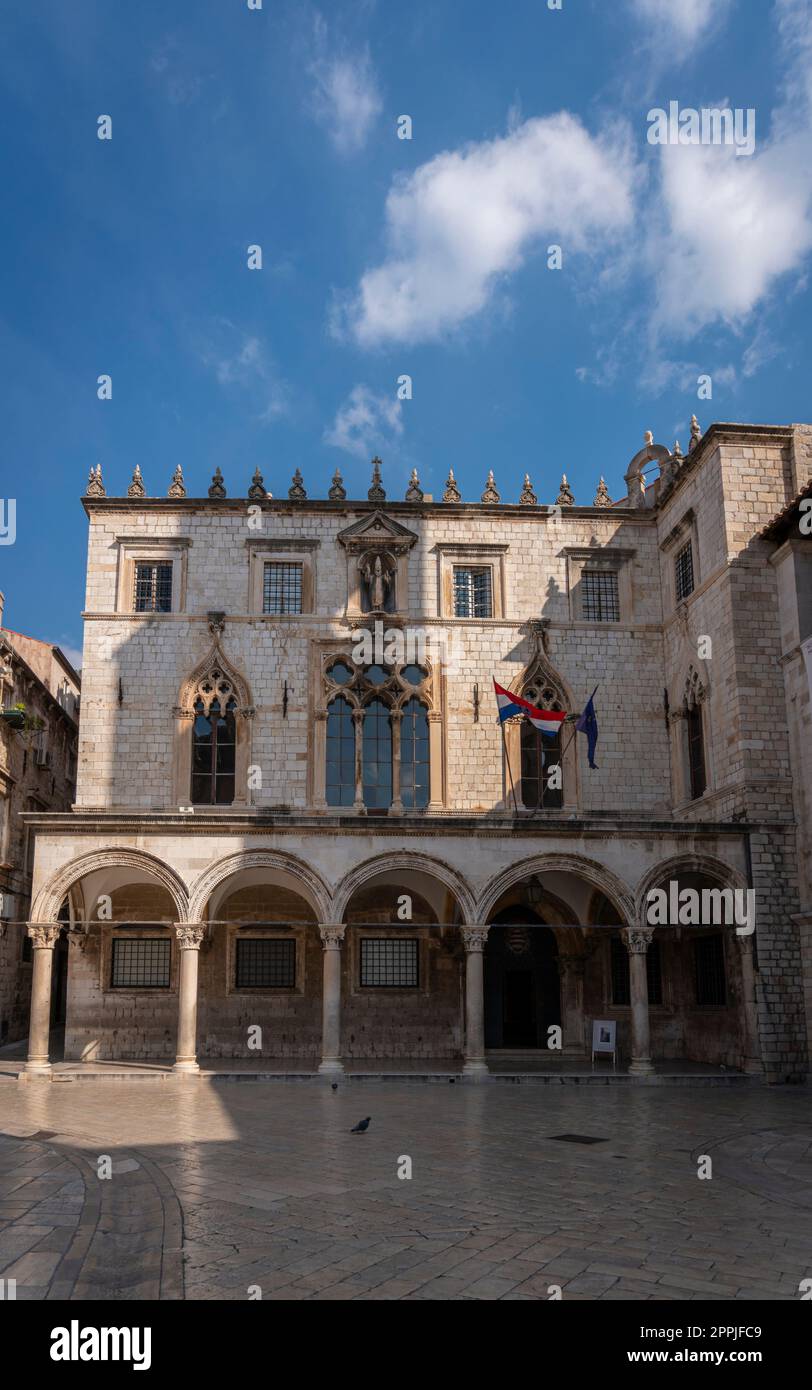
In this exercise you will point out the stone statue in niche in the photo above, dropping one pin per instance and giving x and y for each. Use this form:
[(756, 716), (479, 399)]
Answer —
[(377, 572)]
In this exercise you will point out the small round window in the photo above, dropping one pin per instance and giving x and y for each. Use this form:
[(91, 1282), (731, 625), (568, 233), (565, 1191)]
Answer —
[(340, 673), (377, 675)]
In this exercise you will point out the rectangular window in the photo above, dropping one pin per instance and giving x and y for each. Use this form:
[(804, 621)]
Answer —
[(473, 592), (621, 983), (153, 587), (684, 571), (600, 602), (265, 963), (141, 962), (389, 963), (282, 587), (709, 959)]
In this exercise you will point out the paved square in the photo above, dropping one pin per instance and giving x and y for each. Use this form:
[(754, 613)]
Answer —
[(218, 1189)]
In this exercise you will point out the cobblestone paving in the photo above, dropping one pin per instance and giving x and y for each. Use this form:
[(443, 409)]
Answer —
[(218, 1189)]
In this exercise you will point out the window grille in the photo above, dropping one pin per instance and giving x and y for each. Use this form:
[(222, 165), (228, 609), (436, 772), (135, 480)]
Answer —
[(684, 571), (473, 592), (153, 588), (389, 962), (141, 962), (265, 963), (282, 588), (600, 599)]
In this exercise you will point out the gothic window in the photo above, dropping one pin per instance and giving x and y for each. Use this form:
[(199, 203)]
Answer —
[(541, 768), (473, 591), (695, 735), (376, 764), (214, 742), (340, 753), (387, 708), (414, 755), (153, 587)]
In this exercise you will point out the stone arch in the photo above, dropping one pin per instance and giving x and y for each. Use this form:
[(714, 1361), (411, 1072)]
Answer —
[(598, 875), (405, 860), (51, 895), (215, 660), (635, 483), (705, 864), (302, 877)]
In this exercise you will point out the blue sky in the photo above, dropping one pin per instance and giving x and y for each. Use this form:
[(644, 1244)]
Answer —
[(381, 256)]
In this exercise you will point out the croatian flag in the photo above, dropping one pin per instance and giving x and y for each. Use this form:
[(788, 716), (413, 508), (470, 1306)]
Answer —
[(547, 721)]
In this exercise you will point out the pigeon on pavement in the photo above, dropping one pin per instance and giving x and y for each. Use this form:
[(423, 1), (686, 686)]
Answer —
[(362, 1126)]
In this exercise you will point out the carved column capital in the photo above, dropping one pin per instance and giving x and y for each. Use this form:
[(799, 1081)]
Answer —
[(332, 935), (572, 964), (190, 935), (44, 935), (637, 939), (474, 938), (78, 937)]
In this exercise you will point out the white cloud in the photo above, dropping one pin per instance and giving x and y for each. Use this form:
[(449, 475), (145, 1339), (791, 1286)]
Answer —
[(242, 360), (685, 21), (345, 98), (365, 423), (470, 216), (730, 226)]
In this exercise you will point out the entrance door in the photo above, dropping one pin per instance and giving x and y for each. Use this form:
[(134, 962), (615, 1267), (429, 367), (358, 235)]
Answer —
[(519, 1009)]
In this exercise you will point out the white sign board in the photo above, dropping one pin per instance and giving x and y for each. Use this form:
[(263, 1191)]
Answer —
[(603, 1035)]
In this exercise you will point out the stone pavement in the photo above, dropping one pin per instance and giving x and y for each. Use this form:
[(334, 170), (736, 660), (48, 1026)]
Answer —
[(222, 1190)]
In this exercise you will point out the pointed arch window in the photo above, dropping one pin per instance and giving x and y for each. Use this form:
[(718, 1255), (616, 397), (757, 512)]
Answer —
[(414, 755), (378, 736), (695, 735), (542, 773), (214, 748), (376, 769), (340, 753)]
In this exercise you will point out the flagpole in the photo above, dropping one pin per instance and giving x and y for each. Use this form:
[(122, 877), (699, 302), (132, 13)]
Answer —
[(510, 773), (574, 732)]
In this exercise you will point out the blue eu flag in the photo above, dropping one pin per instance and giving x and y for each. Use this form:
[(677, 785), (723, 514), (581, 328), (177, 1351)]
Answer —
[(587, 723)]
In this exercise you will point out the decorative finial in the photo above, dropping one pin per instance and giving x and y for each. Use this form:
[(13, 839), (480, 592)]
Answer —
[(490, 494), (565, 497), (677, 454), (136, 488), (602, 498), (414, 492), (527, 497), (452, 492), (376, 492), (177, 487), (95, 486), (217, 487), (337, 492), (648, 437), (257, 491), (296, 491), (696, 433)]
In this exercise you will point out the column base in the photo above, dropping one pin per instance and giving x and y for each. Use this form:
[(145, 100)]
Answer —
[(331, 1066), (186, 1068), (475, 1066), (641, 1068), (33, 1069)]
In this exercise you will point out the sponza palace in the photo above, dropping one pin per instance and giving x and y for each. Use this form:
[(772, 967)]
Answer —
[(271, 831)]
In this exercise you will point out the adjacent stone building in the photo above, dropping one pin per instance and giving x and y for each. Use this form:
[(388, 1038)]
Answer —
[(300, 833), (39, 735)]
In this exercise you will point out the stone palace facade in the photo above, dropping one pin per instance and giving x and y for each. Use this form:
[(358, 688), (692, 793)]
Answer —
[(299, 834)]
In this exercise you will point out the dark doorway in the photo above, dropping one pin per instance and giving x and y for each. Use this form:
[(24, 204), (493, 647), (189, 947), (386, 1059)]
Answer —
[(59, 982), (522, 994)]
